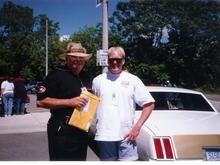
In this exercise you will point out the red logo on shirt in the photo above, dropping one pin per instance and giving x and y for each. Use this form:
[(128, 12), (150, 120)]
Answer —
[(125, 83)]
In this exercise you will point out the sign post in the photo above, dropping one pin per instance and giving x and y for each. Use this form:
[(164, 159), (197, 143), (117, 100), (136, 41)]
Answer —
[(102, 56), (105, 30), (46, 60)]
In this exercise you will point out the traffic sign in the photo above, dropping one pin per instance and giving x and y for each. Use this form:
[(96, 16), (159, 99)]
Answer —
[(102, 58)]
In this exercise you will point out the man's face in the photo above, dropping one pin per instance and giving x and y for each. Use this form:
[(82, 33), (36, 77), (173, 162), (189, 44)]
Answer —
[(115, 62), (75, 63)]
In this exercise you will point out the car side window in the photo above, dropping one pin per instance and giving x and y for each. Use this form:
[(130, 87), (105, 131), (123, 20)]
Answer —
[(195, 102), (180, 101)]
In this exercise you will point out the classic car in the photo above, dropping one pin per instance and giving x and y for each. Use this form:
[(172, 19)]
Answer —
[(183, 126)]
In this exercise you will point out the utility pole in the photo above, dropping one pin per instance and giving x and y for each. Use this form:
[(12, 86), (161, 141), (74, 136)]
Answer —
[(105, 29), (46, 42)]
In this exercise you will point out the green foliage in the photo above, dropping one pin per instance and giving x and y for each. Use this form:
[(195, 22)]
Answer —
[(149, 73), (22, 39), (16, 19), (90, 38), (190, 58)]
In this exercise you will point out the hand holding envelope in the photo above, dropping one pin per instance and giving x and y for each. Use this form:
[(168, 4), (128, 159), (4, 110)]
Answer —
[(82, 117)]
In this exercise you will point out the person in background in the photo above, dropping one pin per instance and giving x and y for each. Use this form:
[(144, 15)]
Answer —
[(60, 92), (168, 84), (119, 91), (20, 97), (7, 93)]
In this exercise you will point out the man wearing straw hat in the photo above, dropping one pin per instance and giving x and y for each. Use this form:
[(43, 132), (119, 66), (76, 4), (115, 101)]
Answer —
[(60, 92)]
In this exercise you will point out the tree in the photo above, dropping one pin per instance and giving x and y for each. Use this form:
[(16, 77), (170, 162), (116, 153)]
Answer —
[(191, 57), (90, 38), (15, 19), (15, 27), (22, 39)]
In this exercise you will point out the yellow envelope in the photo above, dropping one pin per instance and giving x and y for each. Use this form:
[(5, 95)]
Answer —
[(82, 118)]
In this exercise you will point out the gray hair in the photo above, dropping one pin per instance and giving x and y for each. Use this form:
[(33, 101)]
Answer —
[(118, 49)]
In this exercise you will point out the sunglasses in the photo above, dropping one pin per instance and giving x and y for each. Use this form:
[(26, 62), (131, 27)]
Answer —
[(112, 60)]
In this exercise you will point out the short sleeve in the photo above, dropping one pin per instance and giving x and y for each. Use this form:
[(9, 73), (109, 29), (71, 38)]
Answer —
[(49, 87), (95, 86), (141, 95)]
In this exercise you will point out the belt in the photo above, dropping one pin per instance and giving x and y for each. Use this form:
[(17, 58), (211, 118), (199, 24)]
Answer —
[(64, 119), (61, 122)]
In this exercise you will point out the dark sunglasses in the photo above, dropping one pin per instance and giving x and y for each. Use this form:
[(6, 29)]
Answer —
[(112, 60)]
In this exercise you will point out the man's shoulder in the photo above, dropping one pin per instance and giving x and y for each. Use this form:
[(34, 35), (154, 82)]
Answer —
[(62, 69), (130, 75), (133, 79), (58, 71), (99, 79), (4, 82), (100, 76)]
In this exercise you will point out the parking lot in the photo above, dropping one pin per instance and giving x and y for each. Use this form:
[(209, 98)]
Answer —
[(25, 138)]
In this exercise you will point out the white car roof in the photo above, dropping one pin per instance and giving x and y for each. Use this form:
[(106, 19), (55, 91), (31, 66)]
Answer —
[(170, 89), (178, 90)]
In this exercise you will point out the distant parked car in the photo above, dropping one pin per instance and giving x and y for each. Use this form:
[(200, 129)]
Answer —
[(32, 87), (183, 126)]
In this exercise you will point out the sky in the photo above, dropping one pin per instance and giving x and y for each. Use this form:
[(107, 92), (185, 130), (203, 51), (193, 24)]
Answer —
[(71, 14)]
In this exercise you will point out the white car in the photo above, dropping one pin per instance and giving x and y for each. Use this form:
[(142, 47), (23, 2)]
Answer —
[(183, 126)]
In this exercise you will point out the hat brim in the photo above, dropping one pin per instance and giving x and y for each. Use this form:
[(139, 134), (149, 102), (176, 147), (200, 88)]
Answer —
[(84, 55)]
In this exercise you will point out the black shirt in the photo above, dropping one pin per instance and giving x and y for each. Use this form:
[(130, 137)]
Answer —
[(20, 91), (61, 84)]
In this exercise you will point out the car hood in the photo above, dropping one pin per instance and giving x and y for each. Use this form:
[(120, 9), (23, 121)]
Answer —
[(164, 123)]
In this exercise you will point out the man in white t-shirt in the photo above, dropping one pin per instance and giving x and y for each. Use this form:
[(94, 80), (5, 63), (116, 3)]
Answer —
[(7, 93), (119, 92)]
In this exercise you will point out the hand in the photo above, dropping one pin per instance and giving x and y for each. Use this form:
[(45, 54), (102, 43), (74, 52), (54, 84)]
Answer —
[(132, 135), (78, 102)]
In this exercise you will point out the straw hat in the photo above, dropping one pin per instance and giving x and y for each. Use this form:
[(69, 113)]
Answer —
[(75, 49)]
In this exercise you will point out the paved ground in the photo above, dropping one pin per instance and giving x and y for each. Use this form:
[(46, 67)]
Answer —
[(23, 138), (213, 97), (32, 122), (24, 147)]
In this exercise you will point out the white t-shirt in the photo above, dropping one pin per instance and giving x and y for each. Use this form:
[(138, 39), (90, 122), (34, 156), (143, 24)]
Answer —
[(118, 97), (7, 86)]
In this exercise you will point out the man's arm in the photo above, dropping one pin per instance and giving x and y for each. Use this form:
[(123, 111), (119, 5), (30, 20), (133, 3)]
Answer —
[(2, 91), (146, 111), (54, 103)]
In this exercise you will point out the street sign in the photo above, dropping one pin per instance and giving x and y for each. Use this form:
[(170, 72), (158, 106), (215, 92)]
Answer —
[(102, 58)]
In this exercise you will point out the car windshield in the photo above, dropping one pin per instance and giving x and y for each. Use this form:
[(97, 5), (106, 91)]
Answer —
[(180, 101)]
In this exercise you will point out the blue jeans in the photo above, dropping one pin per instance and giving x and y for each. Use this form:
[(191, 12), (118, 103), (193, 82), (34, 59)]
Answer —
[(8, 103), (20, 106), (117, 150)]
